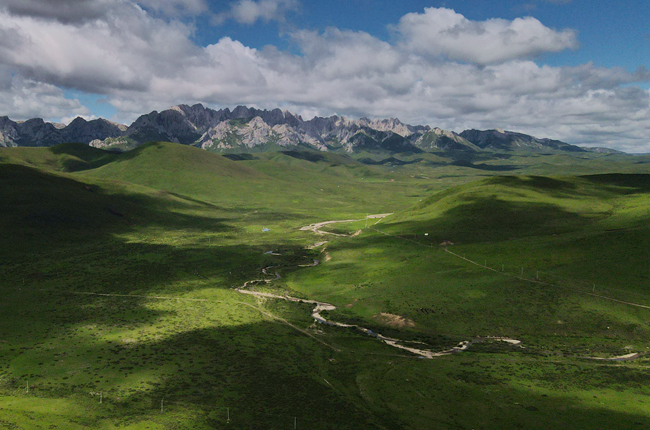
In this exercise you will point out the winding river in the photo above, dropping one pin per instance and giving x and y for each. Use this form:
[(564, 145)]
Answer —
[(322, 306)]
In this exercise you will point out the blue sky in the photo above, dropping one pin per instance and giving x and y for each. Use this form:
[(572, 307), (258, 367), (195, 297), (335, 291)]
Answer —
[(573, 70), (611, 33)]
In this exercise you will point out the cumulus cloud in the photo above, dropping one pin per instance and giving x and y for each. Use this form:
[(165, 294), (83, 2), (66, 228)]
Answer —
[(250, 11), (65, 11), (98, 56), (25, 98), (141, 62), (443, 32), (79, 12), (345, 54), (175, 8)]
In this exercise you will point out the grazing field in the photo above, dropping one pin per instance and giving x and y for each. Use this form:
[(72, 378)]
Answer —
[(119, 306)]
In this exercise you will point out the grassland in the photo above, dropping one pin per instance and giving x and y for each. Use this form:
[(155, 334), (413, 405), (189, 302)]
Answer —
[(118, 273)]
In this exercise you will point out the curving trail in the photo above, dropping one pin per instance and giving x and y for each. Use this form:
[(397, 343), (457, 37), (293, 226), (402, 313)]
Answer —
[(316, 227), (323, 306), (626, 357)]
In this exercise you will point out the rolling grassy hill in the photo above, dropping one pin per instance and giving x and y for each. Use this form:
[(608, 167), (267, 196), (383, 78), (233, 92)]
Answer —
[(547, 260), (569, 231), (67, 157), (117, 277)]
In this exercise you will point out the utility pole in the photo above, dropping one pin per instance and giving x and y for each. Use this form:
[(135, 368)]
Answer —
[(27, 389), (228, 415), (101, 397), (161, 406), (295, 422)]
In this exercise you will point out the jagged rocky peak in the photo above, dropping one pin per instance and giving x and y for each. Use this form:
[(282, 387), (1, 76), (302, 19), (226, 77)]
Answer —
[(4, 120), (201, 117), (32, 124), (80, 122), (241, 112), (394, 125), (8, 132), (275, 116), (447, 133), (245, 127), (37, 132)]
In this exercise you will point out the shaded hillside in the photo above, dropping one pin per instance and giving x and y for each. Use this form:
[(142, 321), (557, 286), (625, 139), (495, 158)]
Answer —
[(507, 207), (66, 157)]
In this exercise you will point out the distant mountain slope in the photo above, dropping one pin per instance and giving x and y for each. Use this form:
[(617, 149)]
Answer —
[(510, 140), (36, 132), (446, 141), (245, 129)]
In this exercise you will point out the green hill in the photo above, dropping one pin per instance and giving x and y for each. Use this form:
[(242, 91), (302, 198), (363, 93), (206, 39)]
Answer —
[(117, 278), (44, 210), (570, 233), (44, 206), (181, 169), (289, 182), (67, 157), (508, 207)]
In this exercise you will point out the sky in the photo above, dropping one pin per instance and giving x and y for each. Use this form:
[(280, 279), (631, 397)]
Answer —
[(573, 70)]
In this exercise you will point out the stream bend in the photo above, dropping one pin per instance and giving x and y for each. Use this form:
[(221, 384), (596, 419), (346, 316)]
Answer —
[(323, 306)]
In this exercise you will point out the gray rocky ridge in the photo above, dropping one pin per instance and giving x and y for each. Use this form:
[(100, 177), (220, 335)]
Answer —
[(245, 128)]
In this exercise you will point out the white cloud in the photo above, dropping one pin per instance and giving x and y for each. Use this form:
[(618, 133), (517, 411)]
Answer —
[(175, 8), (343, 54), (66, 11), (141, 63), (68, 119), (443, 32), (24, 99), (250, 11), (97, 56), (82, 11)]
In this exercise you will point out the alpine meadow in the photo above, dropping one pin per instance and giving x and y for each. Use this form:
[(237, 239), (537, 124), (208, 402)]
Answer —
[(277, 250)]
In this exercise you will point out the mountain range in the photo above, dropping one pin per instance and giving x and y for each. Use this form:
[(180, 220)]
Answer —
[(246, 129)]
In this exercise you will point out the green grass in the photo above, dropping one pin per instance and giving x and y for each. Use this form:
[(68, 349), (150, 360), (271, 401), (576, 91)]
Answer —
[(572, 232), (67, 157), (566, 232), (117, 277)]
